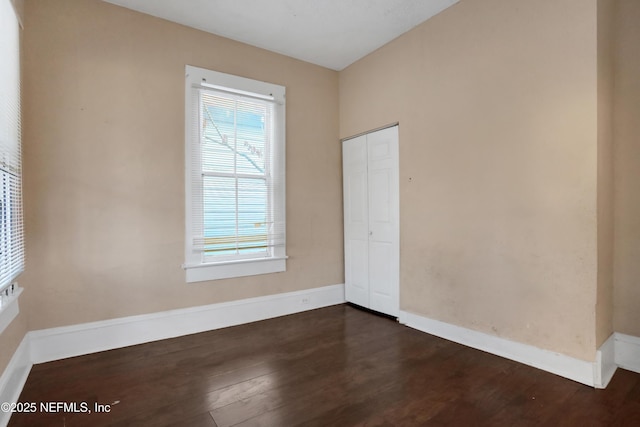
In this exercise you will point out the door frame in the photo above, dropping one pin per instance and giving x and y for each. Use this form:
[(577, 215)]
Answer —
[(395, 310)]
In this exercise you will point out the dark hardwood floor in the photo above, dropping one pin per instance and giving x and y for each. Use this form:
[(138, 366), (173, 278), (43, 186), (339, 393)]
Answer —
[(336, 366)]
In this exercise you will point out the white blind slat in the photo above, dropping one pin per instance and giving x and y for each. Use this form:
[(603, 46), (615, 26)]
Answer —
[(235, 205), (11, 218), (235, 176)]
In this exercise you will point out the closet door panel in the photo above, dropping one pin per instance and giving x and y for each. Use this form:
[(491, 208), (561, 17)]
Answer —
[(356, 218), (382, 295), (384, 263), (371, 220)]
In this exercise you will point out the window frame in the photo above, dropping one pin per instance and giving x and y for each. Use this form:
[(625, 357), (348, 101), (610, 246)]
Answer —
[(12, 246), (197, 268)]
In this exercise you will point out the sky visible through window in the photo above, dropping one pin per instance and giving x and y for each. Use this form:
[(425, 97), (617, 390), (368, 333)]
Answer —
[(235, 143)]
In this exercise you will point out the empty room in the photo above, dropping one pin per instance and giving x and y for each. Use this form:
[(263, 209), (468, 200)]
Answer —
[(331, 213)]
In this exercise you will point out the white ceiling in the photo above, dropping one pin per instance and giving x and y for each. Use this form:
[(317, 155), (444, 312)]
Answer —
[(330, 33)]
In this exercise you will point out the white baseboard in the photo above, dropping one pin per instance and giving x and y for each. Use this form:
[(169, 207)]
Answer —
[(58, 343), (75, 340), (627, 352), (575, 369), (14, 376), (605, 364)]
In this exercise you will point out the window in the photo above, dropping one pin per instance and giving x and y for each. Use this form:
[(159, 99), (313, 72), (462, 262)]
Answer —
[(235, 186), (11, 235)]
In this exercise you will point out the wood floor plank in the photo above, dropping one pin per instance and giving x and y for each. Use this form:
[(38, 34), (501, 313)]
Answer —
[(337, 366), (296, 366), (202, 420), (339, 369)]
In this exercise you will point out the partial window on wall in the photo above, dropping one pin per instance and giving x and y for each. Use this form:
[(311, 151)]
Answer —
[(235, 176), (11, 229)]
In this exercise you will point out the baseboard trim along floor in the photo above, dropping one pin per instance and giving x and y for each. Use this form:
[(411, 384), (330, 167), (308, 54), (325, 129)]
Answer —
[(58, 343), (595, 374), (68, 341)]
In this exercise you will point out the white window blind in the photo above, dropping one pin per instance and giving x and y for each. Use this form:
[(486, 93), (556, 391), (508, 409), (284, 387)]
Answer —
[(235, 188), (11, 228)]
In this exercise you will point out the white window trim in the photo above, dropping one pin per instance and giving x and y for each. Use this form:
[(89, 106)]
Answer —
[(196, 269), (11, 162)]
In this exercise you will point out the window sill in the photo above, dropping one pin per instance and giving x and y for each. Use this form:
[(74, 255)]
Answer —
[(228, 270), (9, 309)]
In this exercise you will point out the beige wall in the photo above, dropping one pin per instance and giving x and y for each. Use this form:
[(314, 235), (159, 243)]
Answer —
[(104, 164), (604, 304), (627, 168), (505, 126), (497, 104), (10, 339), (13, 334)]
